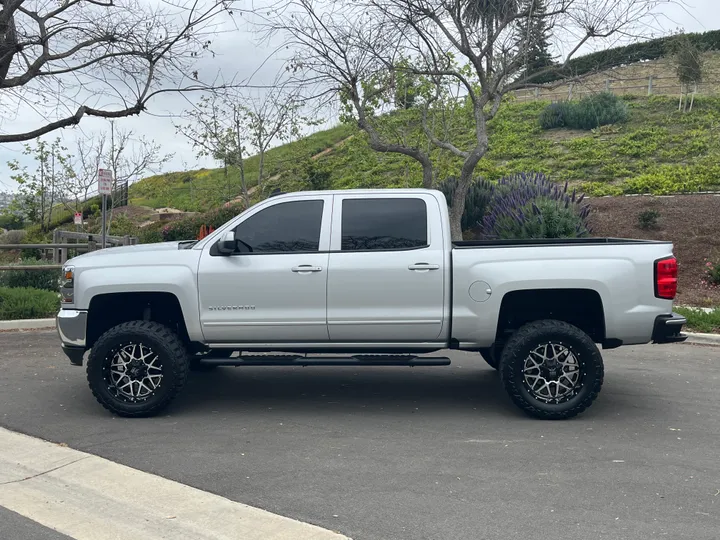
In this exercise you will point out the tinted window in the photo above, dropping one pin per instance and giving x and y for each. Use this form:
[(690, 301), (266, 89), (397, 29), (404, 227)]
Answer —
[(377, 224), (284, 227)]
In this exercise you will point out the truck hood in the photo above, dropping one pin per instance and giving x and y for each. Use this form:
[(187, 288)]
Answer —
[(129, 251)]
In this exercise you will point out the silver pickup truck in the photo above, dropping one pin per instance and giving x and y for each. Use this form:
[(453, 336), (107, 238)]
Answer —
[(363, 278)]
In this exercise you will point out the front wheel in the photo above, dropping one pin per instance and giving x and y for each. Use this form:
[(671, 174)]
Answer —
[(551, 369), (137, 368)]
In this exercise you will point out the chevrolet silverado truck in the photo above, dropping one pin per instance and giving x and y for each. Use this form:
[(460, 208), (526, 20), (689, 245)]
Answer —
[(363, 278)]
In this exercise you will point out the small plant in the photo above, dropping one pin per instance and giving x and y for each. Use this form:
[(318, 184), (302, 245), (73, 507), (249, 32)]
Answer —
[(476, 200), (712, 273), (529, 205), (648, 219)]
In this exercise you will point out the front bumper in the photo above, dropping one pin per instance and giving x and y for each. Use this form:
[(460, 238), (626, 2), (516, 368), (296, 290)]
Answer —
[(71, 325), (668, 328)]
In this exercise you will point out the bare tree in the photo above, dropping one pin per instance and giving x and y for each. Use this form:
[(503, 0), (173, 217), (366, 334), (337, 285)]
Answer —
[(217, 130), (355, 49), (69, 59)]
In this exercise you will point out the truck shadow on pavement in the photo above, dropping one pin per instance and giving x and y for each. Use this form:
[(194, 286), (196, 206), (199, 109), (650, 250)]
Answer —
[(229, 390)]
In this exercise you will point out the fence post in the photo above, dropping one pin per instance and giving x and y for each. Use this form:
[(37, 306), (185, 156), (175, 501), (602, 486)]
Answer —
[(570, 89), (92, 244), (126, 240), (607, 85), (537, 93), (57, 257), (650, 83)]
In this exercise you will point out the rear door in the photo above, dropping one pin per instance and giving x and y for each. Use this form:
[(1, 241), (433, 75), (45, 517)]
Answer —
[(386, 279)]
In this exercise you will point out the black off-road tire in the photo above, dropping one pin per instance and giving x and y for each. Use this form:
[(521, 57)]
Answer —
[(170, 350), (525, 340)]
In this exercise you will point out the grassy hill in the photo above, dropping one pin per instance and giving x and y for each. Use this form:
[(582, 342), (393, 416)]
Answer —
[(659, 150)]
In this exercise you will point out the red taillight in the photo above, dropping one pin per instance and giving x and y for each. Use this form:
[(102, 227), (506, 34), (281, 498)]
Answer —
[(666, 271)]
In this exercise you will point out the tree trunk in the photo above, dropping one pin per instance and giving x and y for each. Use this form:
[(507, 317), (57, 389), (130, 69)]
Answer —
[(262, 165)]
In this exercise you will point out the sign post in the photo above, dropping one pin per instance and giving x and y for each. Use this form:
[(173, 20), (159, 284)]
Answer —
[(105, 178), (78, 219)]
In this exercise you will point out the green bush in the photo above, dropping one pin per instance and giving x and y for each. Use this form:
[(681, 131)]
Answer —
[(476, 201), (553, 116), (48, 280), (27, 304), (648, 219), (588, 113)]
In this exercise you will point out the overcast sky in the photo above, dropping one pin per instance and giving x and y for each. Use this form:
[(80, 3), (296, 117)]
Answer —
[(239, 52)]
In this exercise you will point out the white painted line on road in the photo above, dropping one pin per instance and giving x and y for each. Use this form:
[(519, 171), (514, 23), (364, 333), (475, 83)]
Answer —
[(87, 497), (27, 324)]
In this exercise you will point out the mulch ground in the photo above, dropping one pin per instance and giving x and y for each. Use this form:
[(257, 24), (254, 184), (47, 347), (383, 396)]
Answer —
[(690, 222)]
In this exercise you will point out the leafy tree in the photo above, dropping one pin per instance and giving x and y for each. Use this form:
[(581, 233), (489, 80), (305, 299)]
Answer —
[(690, 67), (533, 38)]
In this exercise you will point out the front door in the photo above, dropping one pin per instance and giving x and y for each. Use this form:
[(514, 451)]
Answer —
[(273, 288)]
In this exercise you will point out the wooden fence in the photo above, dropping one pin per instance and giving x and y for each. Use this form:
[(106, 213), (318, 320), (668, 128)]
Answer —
[(645, 86), (64, 242)]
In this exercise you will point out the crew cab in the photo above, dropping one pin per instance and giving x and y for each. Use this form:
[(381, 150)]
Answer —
[(363, 278)]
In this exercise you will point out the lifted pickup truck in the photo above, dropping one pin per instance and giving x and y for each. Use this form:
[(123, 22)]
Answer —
[(373, 278)]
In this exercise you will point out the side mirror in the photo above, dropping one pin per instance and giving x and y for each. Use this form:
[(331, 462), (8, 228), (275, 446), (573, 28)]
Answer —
[(227, 244)]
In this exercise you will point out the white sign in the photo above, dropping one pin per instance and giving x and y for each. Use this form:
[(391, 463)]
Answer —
[(78, 218), (105, 181)]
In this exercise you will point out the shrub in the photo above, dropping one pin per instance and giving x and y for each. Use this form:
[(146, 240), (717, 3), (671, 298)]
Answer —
[(13, 237), (48, 280), (529, 205), (476, 200), (27, 304), (588, 113), (553, 116), (648, 219)]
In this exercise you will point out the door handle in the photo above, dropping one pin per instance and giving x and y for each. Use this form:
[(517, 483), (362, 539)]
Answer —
[(423, 267), (306, 268)]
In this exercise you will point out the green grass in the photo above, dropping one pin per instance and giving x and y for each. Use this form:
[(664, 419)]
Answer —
[(205, 189), (25, 303), (658, 150), (701, 321)]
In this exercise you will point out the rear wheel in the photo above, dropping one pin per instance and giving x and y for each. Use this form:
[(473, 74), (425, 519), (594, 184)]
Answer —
[(551, 369), (137, 368)]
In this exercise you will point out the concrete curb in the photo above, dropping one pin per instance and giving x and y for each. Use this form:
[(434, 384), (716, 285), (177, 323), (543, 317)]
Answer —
[(27, 324), (703, 339)]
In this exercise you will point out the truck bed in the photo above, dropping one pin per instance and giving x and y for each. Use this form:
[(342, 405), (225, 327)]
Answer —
[(470, 244)]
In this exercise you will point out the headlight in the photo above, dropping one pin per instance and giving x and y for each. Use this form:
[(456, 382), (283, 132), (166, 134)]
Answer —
[(67, 290)]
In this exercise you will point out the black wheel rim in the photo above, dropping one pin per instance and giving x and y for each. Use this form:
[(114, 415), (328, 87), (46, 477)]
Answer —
[(552, 373), (133, 372)]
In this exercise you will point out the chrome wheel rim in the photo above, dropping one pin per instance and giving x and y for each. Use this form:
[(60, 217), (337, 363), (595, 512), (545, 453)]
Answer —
[(552, 373), (134, 372)]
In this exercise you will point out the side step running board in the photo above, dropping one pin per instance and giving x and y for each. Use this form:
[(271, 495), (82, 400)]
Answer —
[(358, 360)]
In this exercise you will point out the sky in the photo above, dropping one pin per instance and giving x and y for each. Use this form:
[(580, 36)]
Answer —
[(240, 51)]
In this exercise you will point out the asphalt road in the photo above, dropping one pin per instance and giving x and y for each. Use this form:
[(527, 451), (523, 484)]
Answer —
[(410, 453), (15, 527)]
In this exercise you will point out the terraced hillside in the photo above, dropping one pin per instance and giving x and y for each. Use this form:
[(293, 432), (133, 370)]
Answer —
[(659, 150)]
